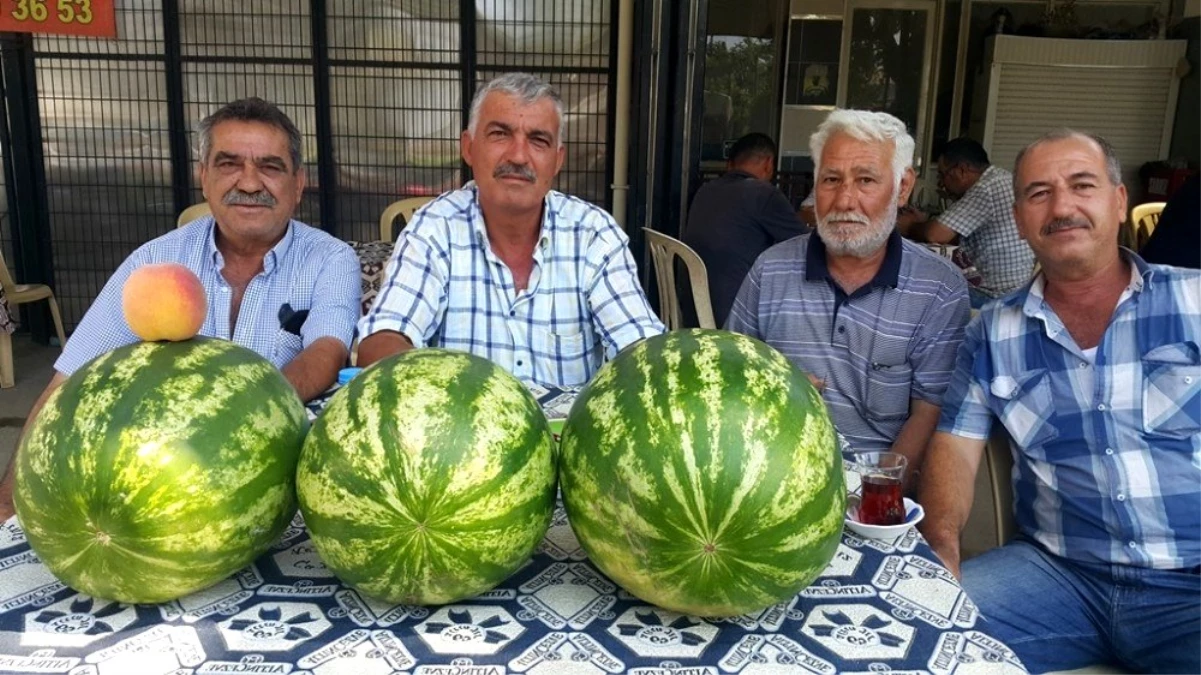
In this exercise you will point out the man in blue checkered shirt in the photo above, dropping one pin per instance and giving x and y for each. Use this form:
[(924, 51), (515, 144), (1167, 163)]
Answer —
[(1094, 370), (274, 285), (541, 283)]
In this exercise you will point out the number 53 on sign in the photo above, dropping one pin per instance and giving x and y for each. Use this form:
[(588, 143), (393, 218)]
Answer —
[(92, 18)]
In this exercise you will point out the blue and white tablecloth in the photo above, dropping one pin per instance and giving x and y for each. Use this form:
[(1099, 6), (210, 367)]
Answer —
[(880, 607)]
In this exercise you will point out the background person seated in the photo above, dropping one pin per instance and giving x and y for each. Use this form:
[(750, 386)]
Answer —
[(982, 218)]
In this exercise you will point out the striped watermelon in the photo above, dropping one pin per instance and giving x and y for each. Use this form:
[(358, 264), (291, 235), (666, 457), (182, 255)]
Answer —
[(700, 471), (160, 468), (429, 478)]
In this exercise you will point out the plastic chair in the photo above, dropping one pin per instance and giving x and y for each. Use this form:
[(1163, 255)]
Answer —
[(1143, 219), (17, 294), (192, 213), (664, 249), (998, 456), (404, 208)]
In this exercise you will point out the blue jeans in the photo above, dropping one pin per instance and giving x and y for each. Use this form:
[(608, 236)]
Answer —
[(1058, 614)]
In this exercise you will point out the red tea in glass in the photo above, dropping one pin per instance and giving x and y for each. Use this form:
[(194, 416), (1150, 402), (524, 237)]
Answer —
[(880, 502)]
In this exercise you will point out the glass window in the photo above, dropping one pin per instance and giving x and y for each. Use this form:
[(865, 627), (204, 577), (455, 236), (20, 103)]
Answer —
[(887, 58), (741, 89), (813, 54)]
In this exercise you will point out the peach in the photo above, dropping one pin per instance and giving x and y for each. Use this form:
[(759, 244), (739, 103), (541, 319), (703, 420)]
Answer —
[(164, 302)]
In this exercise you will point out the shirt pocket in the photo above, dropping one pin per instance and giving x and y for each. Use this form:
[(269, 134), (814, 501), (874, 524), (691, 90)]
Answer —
[(1024, 407), (1172, 390), (889, 387), (287, 346), (562, 357)]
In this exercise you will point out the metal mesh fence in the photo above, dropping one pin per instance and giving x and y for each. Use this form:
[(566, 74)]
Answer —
[(105, 141), (393, 105)]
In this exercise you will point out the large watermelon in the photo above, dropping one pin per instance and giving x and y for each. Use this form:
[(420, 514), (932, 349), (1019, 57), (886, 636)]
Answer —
[(429, 478), (700, 471), (160, 468)]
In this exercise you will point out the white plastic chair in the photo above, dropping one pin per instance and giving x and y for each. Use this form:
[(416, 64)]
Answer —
[(664, 250), (18, 294)]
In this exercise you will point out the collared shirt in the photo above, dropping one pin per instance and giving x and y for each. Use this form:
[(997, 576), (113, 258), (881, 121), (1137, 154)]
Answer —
[(307, 269), (732, 220), (1107, 450), (445, 287), (983, 217), (877, 348)]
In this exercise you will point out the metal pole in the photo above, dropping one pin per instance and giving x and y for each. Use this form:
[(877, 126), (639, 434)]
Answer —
[(177, 125), (621, 129), (327, 170)]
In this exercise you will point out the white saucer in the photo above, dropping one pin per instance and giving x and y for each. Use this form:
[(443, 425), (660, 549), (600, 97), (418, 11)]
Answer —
[(913, 515)]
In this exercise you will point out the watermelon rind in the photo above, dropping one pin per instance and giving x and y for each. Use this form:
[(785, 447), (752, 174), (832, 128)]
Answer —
[(700, 471), (160, 468), (429, 478)]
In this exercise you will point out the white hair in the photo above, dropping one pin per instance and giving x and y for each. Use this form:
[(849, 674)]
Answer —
[(866, 126), (525, 87)]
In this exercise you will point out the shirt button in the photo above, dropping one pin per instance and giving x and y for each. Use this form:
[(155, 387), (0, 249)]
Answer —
[(1084, 364), (519, 363), (1109, 451), (842, 329), (1121, 497), (1101, 407), (512, 312), (225, 289), (1188, 380), (1131, 544)]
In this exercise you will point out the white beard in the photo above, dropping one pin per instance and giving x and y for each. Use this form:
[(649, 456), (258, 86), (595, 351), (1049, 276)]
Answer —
[(858, 239)]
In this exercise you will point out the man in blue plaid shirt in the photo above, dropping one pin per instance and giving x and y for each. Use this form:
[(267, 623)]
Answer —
[(541, 283), (1095, 372)]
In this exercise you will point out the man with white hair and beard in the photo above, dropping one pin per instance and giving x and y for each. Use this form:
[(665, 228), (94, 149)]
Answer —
[(874, 319)]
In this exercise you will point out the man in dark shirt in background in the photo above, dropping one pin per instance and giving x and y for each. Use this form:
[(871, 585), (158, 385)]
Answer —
[(735, 218), (1177, 238)]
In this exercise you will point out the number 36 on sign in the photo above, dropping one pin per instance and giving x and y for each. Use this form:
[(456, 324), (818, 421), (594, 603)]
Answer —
[(92, 18)]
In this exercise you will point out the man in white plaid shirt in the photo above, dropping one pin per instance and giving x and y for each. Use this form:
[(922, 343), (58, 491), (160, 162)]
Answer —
[(541, 283), (1094, 369), (982, 218)]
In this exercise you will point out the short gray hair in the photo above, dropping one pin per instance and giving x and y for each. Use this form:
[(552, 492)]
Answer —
[(252, 109), (868, 126), (525, 87), (1113, 167)]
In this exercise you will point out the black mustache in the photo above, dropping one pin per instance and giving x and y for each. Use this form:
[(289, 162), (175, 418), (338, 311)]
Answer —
[(1063, 224), (510, 169), (236, 197)]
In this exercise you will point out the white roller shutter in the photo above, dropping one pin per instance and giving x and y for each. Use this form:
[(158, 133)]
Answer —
[(1124, 90)]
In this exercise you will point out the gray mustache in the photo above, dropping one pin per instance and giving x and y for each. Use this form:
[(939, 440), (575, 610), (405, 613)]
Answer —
[(519, 170), (236, 197), (1063, 224)]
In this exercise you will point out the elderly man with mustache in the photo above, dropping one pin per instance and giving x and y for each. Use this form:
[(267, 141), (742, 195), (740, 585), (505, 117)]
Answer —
[(1093, 368), (539, 282), (274, 285), (873, 318)]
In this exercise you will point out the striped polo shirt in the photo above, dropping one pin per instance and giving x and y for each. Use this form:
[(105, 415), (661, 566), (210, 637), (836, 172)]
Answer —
[(890, 341)]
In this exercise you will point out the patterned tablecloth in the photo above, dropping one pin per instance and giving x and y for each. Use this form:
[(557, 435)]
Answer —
[(373, 259), (880, 607)]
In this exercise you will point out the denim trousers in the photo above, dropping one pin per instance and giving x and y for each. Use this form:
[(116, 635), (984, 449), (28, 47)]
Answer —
[(1059, 614)]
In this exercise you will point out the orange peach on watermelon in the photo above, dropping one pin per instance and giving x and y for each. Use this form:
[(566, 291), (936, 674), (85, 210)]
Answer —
[(164, 302)]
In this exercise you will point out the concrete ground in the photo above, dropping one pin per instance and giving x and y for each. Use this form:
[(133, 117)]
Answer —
[(33, 365)]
